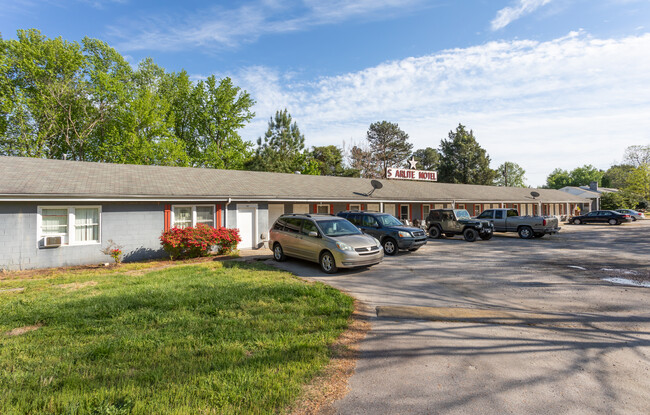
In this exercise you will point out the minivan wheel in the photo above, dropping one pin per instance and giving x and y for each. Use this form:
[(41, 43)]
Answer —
[(390, 246), (470, 235), (327, 263), (613, 221), (576, 221), (278, 253)]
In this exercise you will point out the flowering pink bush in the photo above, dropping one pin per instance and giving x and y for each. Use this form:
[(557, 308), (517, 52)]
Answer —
[(199, 241)]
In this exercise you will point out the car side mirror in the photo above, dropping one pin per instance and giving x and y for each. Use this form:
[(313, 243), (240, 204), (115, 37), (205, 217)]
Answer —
[(313, 234)]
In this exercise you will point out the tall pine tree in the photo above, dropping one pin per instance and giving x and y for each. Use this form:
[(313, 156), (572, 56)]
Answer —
[(463, 160)]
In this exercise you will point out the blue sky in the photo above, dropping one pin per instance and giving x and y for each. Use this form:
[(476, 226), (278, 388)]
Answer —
[(543, 83)]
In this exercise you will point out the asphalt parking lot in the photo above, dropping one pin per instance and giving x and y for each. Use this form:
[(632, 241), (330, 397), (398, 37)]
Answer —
[(589, 352)]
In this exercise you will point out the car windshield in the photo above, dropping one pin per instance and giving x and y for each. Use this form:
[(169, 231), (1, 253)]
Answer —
[(388, 220), (338, 228), (461, 214)]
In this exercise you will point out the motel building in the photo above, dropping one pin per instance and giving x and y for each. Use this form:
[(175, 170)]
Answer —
[(59, 213)]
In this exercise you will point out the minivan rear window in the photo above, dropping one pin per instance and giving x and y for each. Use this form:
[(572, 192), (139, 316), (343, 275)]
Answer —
[(293, 225)]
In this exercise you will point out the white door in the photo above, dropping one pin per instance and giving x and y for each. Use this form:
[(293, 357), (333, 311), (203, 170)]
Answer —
[(275, 211), (390, 209), (247, 227)]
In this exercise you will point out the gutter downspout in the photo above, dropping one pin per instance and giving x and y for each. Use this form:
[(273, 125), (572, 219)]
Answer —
[(225, 213)]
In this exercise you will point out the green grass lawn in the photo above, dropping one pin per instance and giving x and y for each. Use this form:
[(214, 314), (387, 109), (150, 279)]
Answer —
[(219, 337)]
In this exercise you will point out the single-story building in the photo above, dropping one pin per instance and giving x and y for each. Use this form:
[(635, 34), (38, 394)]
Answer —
[(591, 192), (83, 205)]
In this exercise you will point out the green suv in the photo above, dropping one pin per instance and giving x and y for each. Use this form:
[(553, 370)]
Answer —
[(330, 241), (451, 222)]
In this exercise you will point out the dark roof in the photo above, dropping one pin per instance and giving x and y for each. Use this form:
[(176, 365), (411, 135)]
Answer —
[(33, 178)]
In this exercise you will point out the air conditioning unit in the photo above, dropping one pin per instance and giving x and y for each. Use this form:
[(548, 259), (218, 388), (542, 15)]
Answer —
[(52, 241)]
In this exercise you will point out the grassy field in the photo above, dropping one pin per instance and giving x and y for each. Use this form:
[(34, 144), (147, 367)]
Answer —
[(218, 337)]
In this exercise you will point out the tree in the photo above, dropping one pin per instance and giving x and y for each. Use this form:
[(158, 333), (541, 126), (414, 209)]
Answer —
[(617, 175), (428, 158), (329, 159), (583, 176), (639, 181), (510, 174), (463, 160), (362, 162), (637, 155), (388, 144), (613, 201), (558, 179), (62, 99), (281, 149)]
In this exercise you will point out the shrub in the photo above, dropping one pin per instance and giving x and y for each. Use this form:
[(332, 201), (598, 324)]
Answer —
[(114, 251), (199, 241)]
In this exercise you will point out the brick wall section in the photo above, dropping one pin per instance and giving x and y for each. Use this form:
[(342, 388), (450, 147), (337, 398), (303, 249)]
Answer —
[(135, 226)]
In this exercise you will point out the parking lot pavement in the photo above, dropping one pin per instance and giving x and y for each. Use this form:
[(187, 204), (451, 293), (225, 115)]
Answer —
[(596, 359)]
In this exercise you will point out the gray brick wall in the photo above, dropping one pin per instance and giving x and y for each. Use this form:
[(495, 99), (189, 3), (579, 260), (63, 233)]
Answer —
[(135, 226)]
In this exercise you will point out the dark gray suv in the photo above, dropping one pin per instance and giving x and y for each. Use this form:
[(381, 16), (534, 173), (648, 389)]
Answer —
[(392, 234)]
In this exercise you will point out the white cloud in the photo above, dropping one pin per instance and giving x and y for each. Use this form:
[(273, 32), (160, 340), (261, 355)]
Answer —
[(220, 27), (567, 102), (507, 15)]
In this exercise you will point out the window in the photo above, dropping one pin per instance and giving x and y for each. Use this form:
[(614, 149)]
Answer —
[(404, 212), (75, 225), (54, 221), (323, 209), (512, 213), (486, 215), (498, 214), (300, 208), (292, 225), (369, 221), (186, 216), (372, 207), (279, 225), (425, 210), (355, 219), (355, 207), (308, 226), (86, 225)]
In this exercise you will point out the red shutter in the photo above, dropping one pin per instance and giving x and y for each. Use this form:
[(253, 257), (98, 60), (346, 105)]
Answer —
[(347, 207), (218, 218), (315, 208), (362, 208), (168, 217), (332, 209)]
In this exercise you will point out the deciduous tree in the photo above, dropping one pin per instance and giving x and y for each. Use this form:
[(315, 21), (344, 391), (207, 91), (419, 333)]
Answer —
[(510, 174)]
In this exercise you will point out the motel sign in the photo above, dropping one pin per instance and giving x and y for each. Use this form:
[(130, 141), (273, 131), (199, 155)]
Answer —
[(408, 174)]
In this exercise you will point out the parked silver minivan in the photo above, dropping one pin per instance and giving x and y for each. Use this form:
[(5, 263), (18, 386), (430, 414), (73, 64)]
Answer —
[(331, 241)]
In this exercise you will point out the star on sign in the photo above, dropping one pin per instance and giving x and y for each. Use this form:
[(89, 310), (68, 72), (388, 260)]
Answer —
[(413, 163)]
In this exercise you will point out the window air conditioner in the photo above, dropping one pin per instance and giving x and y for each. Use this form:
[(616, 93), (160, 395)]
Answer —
[(51, 241)]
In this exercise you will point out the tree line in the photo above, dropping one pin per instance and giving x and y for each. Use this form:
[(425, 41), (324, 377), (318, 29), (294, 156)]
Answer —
[(84, 101), (631, 178)]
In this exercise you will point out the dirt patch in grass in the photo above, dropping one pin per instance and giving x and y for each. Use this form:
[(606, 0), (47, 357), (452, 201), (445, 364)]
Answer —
[(13, 290), (22, 330), (77, 285), (131, 267), (332, 385)]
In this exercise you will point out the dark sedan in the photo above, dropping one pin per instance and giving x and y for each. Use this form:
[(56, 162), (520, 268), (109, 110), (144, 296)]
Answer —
[(602, 216)]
